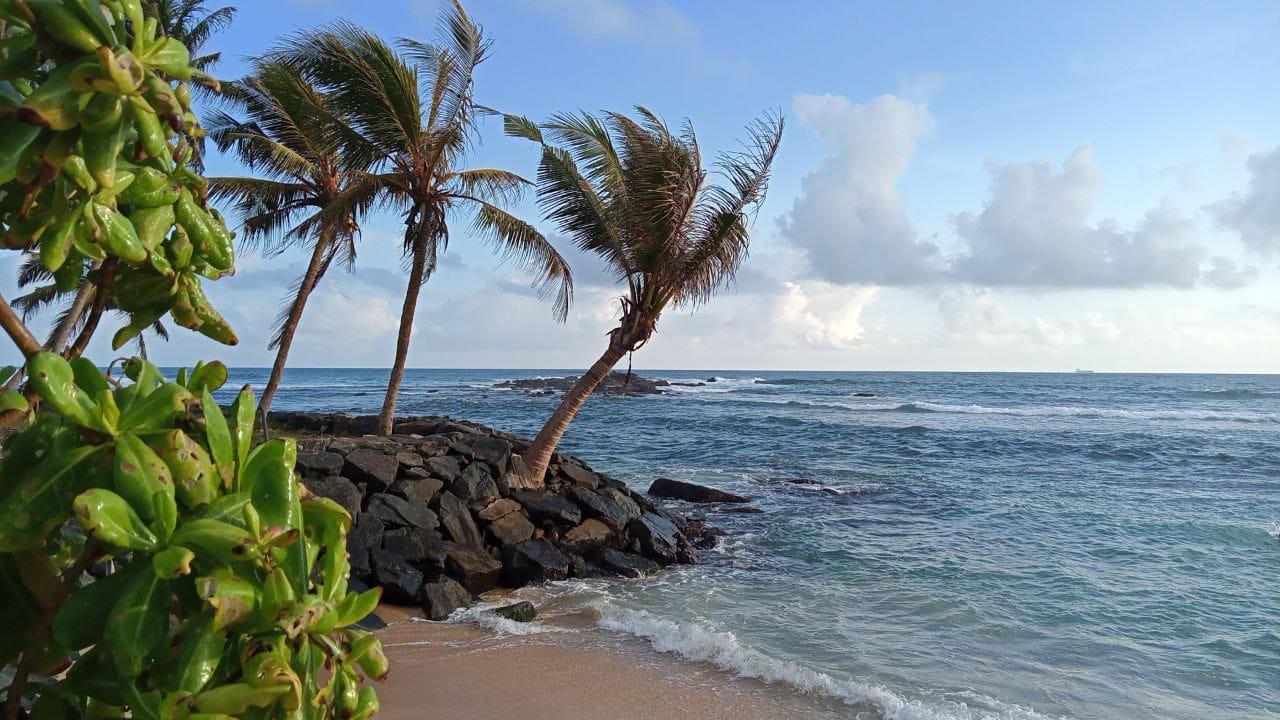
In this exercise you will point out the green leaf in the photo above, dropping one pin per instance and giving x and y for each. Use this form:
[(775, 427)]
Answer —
[(207, 378), (173, 562), (54, 380), (81, 621), (357, 606), (269, 478), (40, 500), (223, 542), (156, 411), (231, 597), (218, 435), (139, 474), (17, 609), (94, 676), (13, 400), (109, 517), (242, 431), (139, 624), (88, 376), (237, 698), (202, 649)]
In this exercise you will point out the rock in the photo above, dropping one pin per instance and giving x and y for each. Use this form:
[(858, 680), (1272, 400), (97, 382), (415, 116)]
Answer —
[(523, 611), (497, 509), (590, 535), (744, 509), (665, 487), (864, 393), (340, 490), (657, 537), (456, 520), (319, 464), (625, 564), (545, 507), (423, 548), (415, 427), (377, 470), (475, 483), (400, 581), (472, 567), (492, 450), (409, 459), (415, 473), (603, 507), (615, 383), (533, 561), (580, 476), (395, 511), (511, 529), (445, 467), (712, 379), (364, 536), (630, 509), (416, 491), (580, 567), (441, 598)]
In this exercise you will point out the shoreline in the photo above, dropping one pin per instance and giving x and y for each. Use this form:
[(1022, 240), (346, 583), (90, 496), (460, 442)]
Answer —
[(581, 671)]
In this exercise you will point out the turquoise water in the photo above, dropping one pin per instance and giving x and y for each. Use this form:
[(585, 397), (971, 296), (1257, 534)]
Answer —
[(977, 545)]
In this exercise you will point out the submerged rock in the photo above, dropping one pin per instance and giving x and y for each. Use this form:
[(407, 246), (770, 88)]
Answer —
[(666, 487), (520, 612)]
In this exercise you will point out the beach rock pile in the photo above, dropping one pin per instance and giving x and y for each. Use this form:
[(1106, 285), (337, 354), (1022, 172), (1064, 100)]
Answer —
[(615, 383), (436, 522)]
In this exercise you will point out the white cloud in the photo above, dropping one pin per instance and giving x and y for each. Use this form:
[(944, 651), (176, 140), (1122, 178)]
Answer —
[(820, 315), (643, 20), (1255, 213), (849, 217)]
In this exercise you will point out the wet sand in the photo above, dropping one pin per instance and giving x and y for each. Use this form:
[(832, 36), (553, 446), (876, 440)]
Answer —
[(465, 671)]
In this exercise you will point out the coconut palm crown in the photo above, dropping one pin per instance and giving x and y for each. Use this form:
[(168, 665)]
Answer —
[(635, 193), (414, 114)]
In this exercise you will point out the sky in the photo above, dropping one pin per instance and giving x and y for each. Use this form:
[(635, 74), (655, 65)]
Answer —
[(981, 186)]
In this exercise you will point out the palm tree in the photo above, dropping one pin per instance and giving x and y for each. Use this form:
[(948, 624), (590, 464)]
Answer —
[(287, 135), (193, 24), (415, 114), (635, 193)]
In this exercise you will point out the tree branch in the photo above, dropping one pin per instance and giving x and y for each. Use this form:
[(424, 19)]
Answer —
[(17, 330), (95, 314)]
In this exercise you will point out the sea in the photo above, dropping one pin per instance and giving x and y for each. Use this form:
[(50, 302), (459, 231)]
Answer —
[(935, 545)]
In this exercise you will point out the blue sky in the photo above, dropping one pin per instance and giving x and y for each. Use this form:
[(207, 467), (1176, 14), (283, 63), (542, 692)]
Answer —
[(976, 186)]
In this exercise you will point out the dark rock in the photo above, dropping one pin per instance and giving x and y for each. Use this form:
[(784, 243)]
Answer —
[(456, 520), (864, 393), (545, 507), (492, 450), (475, 483), (377, 470), (800, 481), (616, 383), (338, 489), (626, 564), (533, 561), (744, 509), (441, 598), (580, 567), (409, 459), (416, 427), (445, 467), (657, 537), (603, 507), (497, 509), (395, 511), (665, 487), (511, 529), (687, 555), (371, 622), (472, 567), (319, 464), (415, 473), (630, 508), (363, 537), (590, 535), (523, 611), (580, 476), (422, 548), (416, 491), (711, 379), (400, 581)]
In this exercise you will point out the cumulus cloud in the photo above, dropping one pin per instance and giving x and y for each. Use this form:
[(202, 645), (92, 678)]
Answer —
[(1255, 213), (973, 316), (849, 218), (820, 315)]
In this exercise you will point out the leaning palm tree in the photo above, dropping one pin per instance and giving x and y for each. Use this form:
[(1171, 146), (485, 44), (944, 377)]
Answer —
[(635, 193), (413, 107), (285, 134)]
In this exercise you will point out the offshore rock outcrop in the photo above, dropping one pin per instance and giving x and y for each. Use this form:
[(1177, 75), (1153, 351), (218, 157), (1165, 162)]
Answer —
[(615, 383), (435, 521)]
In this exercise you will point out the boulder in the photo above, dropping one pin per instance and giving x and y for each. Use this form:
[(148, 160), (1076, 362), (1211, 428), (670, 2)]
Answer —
[(456, 520), (492, 450), (338, 489), (625, 564), (416, 491), (630, 509), (364, 536), (665, 487), (533, 561), (409, 459), (590, 535), (375, 469), (580, 476), (475, 483), (400, 581), (523, 611), (580, 567), (415, 427), (423, 548), (415, 473), (657, 537), (596, 505), (445, 467), (545, 507), (472, 567), (497, 509), (441, 598), (744, 509), (395, 511), (319, 464), (511, 529)]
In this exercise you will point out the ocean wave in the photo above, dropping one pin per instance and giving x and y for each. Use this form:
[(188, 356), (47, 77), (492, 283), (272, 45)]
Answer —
[(1083, 412), (1233, 394), (1274, 530), (785, 381), (722, 649), (483, 614)]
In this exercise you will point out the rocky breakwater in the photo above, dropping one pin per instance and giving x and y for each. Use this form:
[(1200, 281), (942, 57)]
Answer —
[(436, 522), (615, 383)]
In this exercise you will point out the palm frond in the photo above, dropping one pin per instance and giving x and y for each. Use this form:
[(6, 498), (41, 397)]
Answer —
[(517, 240)]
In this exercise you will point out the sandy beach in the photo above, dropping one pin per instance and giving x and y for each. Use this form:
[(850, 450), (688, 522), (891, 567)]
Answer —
[(444, 667)]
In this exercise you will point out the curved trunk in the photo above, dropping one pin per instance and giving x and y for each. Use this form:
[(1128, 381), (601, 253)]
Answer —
[(538, 456), (100, 295), (387, 418), (291, 325), (62, 333)]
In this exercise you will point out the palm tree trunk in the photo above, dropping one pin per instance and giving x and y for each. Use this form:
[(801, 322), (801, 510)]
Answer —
[(538, 456), (387, 418), (291, 325), (62, 333)]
